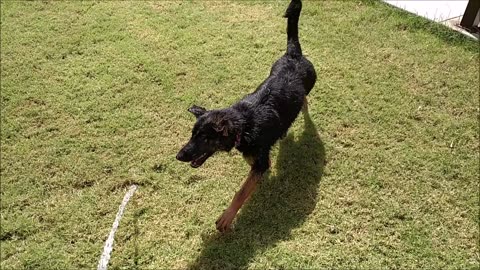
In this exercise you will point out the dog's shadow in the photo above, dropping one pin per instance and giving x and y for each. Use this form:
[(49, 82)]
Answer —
[(280, 204)]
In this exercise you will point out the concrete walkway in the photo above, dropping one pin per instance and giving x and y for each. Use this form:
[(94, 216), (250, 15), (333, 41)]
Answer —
[(446, 12)]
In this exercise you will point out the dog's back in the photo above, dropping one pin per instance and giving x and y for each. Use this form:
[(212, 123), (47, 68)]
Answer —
[(277, 101)]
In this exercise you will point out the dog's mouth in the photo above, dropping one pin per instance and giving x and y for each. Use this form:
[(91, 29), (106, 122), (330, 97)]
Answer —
[(197, 162)]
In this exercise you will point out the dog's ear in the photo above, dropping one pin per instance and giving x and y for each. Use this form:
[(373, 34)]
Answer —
[(223, 126), (197, 110)]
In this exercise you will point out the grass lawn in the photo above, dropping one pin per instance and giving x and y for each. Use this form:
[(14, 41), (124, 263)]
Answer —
[(383, 173)]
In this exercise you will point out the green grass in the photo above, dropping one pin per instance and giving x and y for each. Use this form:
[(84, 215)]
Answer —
[(382, 174)]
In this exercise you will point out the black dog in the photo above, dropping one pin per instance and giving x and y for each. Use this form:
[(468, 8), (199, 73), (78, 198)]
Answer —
[(256, 122)]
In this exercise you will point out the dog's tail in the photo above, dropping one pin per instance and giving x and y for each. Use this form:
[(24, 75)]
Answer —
[(293, 14)]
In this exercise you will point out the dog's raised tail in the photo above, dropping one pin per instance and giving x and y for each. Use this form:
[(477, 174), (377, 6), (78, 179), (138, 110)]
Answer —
[(293, 14)]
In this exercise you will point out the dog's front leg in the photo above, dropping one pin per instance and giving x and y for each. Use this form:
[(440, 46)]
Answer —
[(305, 105), (225, 220)]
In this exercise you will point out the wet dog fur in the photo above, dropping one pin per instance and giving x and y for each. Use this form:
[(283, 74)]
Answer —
[(257, 121)]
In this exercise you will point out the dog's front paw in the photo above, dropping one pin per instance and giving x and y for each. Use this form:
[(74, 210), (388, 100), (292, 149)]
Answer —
[(225, 220)]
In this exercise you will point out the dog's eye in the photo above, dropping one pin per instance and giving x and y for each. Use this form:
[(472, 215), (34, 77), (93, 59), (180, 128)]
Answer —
[(206, 138)]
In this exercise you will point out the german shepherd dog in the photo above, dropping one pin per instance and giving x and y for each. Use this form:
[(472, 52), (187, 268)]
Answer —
[(256, 122)]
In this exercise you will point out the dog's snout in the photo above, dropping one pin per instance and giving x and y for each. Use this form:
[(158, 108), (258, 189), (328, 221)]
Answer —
[(181, 156), (185, 154)]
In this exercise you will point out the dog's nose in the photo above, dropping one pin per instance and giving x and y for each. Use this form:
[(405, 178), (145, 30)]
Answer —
[(185, 154), (180, 156)]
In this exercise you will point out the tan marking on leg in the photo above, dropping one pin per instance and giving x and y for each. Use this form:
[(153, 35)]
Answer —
[(225, 220), (305, 105), (249, 159)]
